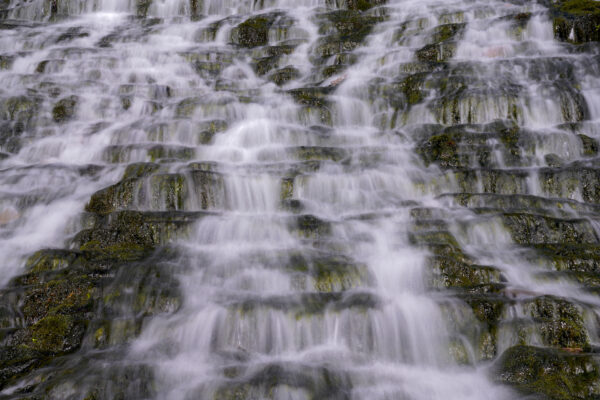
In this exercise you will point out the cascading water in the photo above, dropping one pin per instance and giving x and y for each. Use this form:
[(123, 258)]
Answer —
[(307, 199)]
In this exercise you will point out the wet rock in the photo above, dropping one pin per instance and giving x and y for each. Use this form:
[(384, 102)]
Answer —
[(68, 300), (437, 52), (142, 7), (552, 160), (72, 34), (125, 233), (560, 322), (284, 75), (555, 374), (576, 21), (17, 115), (64, 109), (363, 5), (254, 31), (575, 257), (536, 229), (6, 61), (441, 149), (311, 227), (442, 33), (346, 30), (590, 145), (572, 181)]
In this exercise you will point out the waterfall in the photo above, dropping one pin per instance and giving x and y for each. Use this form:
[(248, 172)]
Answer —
[(309, 199)]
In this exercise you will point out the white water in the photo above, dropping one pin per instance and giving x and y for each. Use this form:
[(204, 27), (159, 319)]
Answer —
[(245, 308)]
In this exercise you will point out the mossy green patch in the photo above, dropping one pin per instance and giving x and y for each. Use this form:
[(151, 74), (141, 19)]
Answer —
[(64, 109), (556, 374), (580, 7), (51, 333)]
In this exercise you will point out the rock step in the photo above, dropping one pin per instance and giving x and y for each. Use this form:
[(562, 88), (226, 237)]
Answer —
[(258, 380), (498, 145), (556, 374), (307, 304), (505, 317), (90, 298), (483, 203), (577, 181)]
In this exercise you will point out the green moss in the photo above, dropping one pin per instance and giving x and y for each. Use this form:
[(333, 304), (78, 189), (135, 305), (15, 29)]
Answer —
[(450, 272), (65, 109), (437, 52), (165, 152), (363, 5), (537, 229), (580, 7), (50, 260), (312, 227), (169, 191), (112, 198), (332, 275), (126, 251), (555, 374), (20, 108), (307, 153), (560, 322), (284, 75), (254, 31), (445, 32), (441, 149), (50, 334), (139, 170)]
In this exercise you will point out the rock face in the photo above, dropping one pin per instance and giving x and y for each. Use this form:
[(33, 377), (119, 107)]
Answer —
[(576, 21), (555, 374), (300, 201)]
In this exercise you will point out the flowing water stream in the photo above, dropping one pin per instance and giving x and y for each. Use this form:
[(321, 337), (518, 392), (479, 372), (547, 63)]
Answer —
[(371, 193)]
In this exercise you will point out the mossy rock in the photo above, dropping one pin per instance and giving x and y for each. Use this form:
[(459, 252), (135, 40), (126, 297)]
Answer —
[(118, 196), (306, 380), (364, 5), (16, 361), (344, 31), (573, 179), (560, 322), (576, 257), (590, 145), (311, 96), (576, 21), (56, 333), (536, 229), (554, 374), (254, 31), (142, 7), (135, 231), (50, 260), (284, 75), (139, 170), (64, 110), (437, 52), (6, 61), (442, 33), (311, 227), (20, 108), (62, 294), (450, 273), (441, 149)]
